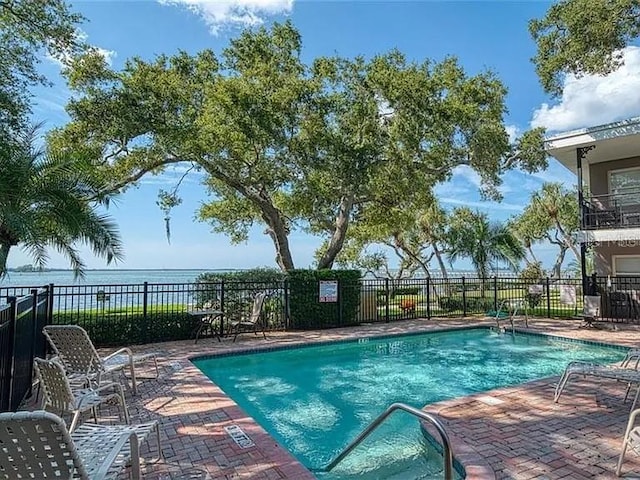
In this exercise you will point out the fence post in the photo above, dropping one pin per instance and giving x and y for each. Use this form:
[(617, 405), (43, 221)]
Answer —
[(145, 322), (495, 294), (340, 285), (387, 299), (145, 293), (222, 308), (428, 298), (49, 320), (548, 299), (464, 298), (34, 333), (287, 319), (12, 345)]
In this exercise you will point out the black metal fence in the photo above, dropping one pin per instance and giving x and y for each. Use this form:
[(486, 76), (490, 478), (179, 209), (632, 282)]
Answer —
[(21, 323), (144, 313)]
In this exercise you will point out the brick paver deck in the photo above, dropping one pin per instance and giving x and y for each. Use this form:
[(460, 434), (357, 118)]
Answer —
[(509, 433)]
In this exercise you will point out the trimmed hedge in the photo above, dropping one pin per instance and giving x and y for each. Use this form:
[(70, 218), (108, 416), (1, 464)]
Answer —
[(306, 311), (110, 330), (474, 304)]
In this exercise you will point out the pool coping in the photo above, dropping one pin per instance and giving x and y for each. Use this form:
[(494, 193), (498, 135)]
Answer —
[(474, 464)]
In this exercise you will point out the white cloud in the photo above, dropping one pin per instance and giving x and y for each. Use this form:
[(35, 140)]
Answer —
[(468, 173), (595, 99), (220, 13)]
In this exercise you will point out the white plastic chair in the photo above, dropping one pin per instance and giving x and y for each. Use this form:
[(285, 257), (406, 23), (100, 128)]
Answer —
[(60, 397), (38, 445), (81, 359)]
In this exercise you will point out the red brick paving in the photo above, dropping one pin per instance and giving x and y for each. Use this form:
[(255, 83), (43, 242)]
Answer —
[(526, 436)]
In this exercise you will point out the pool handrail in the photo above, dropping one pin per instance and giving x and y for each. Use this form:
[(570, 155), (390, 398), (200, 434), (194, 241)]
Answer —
[(446, 443)]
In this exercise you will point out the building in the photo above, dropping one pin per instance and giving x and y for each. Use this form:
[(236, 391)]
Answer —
[(606, 161)]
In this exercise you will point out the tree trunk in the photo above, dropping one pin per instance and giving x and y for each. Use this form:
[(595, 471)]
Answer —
[(4, 255), (279, 232), (277, 227), (438, 254), (557, 268), (339, 233)]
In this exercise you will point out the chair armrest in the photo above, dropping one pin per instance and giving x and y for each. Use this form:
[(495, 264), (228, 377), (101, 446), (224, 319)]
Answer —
[(119, 352)]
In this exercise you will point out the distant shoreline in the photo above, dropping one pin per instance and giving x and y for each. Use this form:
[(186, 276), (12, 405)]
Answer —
[(47, 270)]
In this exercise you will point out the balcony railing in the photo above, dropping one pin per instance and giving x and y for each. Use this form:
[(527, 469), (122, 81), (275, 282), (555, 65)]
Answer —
[(619, 210)]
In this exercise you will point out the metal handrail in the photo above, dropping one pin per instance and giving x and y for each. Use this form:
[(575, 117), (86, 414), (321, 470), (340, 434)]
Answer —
[(446, 444)]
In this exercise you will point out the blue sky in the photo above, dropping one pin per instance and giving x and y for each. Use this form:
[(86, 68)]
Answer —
[(483, 35)]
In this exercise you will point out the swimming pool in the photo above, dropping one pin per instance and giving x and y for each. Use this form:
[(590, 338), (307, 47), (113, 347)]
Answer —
[(314, 400)]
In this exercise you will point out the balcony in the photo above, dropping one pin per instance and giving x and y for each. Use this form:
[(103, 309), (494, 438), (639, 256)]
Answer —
[(619, 210)]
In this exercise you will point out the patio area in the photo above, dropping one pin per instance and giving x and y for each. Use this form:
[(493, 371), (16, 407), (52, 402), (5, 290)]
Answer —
[(508, 433)]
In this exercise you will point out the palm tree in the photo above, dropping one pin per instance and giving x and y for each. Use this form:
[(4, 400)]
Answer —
[(472, 235), (49, 200)]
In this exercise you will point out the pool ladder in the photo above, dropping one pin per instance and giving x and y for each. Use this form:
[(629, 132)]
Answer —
[(446, 444)]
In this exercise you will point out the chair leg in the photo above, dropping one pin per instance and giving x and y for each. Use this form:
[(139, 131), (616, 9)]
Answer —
[(123, 403), (560, 386), (135, 456), (74, 421), (132, 370), (621, 459)]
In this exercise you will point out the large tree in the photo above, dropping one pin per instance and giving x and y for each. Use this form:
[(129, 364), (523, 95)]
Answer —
[(28, 29), (323, 148), (52, 201), (551, 215), (583, 37)]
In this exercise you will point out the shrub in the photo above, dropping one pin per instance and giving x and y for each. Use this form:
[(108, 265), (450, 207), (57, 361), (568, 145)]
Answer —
[(407, 305), (473, 304), (533, 299), (307, 312)]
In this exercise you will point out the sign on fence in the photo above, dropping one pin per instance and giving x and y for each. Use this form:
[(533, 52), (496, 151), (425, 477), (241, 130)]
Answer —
[(536, 289), (567, 294), (328, 291)]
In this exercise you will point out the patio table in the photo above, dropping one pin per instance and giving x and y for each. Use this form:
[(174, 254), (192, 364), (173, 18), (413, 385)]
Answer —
[(206, 318)]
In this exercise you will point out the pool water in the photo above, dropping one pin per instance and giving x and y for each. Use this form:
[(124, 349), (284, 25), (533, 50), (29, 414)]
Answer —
[(314, 400)]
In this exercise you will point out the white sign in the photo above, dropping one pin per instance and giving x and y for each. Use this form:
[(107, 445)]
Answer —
[(328, 291), (536, 289), (567, 295)]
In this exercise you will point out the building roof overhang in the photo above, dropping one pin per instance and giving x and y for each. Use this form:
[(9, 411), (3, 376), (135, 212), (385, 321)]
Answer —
[(613, 141)]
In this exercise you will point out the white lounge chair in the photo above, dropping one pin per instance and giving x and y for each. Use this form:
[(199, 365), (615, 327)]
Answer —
[(38, 445), (253, 322), (627, 375), (62, 399), (80, 359), (631, 439)]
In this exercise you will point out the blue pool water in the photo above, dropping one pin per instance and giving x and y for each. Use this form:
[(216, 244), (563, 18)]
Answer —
[(315, 400)]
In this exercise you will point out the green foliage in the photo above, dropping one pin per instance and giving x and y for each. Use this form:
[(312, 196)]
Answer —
[(130, 328), (306, 312), (28, 30), (583, 37), (337, 146), (532, 273), (471, 235), (552, 216), (49, 200), (473, 304)]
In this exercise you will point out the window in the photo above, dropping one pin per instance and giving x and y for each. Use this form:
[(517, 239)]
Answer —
[(624, 186), (626, 265)]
